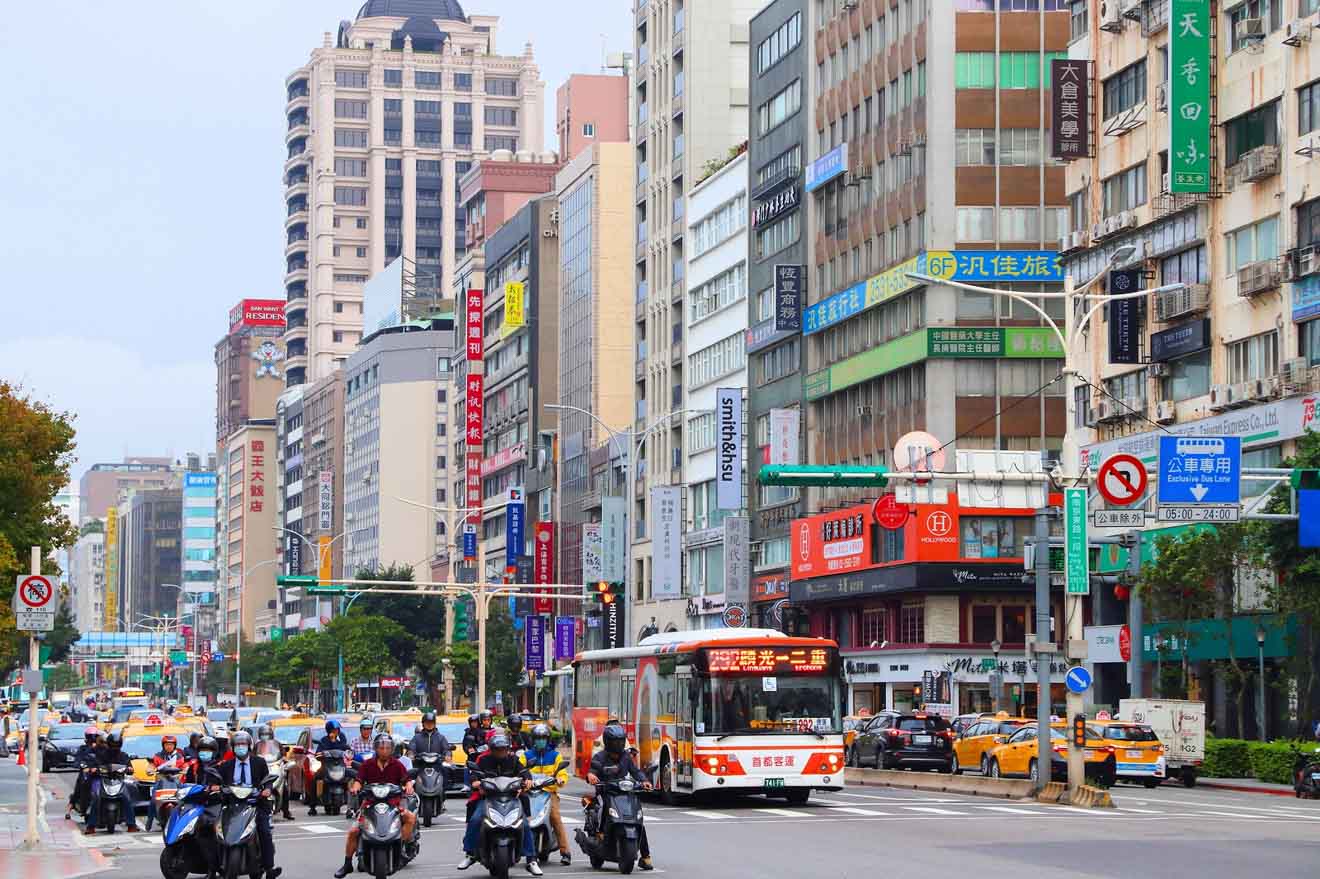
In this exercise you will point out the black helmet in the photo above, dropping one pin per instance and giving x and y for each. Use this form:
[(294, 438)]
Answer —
[(473, 719), (265, 732), (499, 741), (515, 722), (207, 743), (194, 737), (614, 738), (114, 740), (487, 717), (428, 715)]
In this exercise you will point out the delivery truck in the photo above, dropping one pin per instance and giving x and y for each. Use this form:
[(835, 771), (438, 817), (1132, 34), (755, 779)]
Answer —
[(1180, 725)]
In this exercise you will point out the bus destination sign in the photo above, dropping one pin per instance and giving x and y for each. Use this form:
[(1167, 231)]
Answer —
[(752, 660)]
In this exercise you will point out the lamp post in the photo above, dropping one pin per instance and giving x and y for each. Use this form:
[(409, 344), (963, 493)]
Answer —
[(1260, 691), (1069, 470), (996, 679)]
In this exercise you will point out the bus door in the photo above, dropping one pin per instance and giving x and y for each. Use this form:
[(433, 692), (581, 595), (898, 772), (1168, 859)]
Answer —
[(683, 727)]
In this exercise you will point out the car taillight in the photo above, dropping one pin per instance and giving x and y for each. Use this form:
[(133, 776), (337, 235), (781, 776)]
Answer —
[(1060, 749), (1105, 749), (720, 764)]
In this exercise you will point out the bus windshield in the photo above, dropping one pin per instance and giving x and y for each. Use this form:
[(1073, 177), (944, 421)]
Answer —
[(747, 704)]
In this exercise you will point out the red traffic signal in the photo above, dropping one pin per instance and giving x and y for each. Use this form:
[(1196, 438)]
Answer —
[(606, 592)]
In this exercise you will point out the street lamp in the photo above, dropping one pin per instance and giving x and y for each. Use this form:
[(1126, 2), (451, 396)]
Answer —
[(1260, 694), (1069, 467), (996, 679)]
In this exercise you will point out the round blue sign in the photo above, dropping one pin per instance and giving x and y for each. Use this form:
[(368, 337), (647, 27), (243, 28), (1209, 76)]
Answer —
[(1078, 679)]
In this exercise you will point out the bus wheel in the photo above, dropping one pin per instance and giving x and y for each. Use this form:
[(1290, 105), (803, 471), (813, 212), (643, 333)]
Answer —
[(668, 795)]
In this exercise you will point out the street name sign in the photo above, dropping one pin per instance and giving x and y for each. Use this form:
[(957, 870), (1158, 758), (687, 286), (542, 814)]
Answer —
[(35, 604), (1076, 567), (1200, 470)]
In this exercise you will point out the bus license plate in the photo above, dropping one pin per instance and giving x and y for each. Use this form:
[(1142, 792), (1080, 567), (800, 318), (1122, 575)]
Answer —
[(774, 782)]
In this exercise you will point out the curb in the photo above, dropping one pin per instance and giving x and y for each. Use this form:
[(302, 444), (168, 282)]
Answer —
[(1088, 797), (976, 785), (1243, 788)]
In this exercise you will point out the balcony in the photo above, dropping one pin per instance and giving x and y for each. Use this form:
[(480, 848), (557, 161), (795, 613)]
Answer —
[(676, 291), (1254, 166), (639, 368), (676, 105), (590, 501), (296, 292), (775, 180), (296, 272), (676, 229)]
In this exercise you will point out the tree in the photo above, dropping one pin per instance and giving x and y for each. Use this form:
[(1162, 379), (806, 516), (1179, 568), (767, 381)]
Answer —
[(371, 644), (36, 451), (460, 660), (423, 617), (504, 661)]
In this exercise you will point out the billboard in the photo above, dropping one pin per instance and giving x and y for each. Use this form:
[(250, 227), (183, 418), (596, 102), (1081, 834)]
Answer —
[(382, 299), (593, 568), (831, 543), (544, 562), (110, 605), (729, 448), (613, 537), (476, 339), (788, 298), (257, 313), (515, 307), (1070, 114), (737, 561), (325, 500), (784, 432), (1189, 96), (667, 564)]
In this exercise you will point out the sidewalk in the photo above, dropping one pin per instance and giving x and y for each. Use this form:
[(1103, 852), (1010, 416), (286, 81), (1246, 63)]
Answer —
[(59, 853), (1246, 785)]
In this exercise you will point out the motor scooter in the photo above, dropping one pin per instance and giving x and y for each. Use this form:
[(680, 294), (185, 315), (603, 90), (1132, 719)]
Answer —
[(107, 788), (499, 845), (544, 841), (337, 776), (1306, 773), (162, 793), (273, 754), (612, 829), (381, 849), (185, 850), (240, 845), (431, 771)]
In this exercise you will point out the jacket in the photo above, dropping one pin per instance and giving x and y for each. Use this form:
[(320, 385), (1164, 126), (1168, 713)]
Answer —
[(601, 763), (86, 756), (228, 769), (433, 742), (326, 743), (546, 763), (473, 738), (113, 758)]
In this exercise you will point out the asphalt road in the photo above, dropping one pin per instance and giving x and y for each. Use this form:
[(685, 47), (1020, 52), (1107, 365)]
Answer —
[(870, 832)]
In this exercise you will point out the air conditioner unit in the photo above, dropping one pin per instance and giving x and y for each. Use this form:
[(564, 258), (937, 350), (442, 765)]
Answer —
[(1249, 30), (1221, 397), (1258, 164), (1295, 375), (1111, 16), (1173, 304), (1242, 393), (1157, 370), (1065, 242), (1303, 261), (1128, 220), (1162, 97), (1165, 412), (1164, 182), (1299, 31), (1257, 277), (1259, 389), (1078, 239), (1098, 230), (1097, 413), (1113, 224), (1132, 9)]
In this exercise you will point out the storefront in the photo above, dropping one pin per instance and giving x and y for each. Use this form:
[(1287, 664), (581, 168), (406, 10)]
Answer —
[(770, 601), (960, 682)]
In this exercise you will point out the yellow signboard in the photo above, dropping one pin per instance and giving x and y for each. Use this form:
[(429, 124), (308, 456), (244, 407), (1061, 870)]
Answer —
[(515, 307), (324, 555), (110, 600)]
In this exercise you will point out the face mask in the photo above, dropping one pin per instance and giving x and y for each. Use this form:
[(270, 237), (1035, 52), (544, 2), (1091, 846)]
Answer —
[(241, 751), (204, 756), (541, 744)]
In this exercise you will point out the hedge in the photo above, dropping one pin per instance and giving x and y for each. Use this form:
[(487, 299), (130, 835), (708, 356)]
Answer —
[(1272, 762), (1238, 758)]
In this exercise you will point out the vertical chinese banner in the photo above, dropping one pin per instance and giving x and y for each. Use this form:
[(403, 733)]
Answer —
[(1070, 108), (544, 563), (1189, 96), (474, 433), (476, 350)]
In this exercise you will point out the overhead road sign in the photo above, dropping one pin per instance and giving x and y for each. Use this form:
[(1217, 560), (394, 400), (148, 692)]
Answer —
[(1200, 470), (1122, 479), (821, 474)]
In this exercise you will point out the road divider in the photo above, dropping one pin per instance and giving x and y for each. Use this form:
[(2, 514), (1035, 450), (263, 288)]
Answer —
[(976, 785)]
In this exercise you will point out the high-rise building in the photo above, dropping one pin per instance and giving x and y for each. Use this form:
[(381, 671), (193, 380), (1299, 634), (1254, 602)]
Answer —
[(246, 539), (199, 600), (250, 364), (104, 485), (596, 315), (150, 560), (87, 577), (590, 109), (690, 88), (380, 122), (396, 432)]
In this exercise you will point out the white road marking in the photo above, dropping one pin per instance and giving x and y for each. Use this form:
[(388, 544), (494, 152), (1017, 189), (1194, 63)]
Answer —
[(319, 828), (789, 813), (851, 810), (932, 810), (1011, 810), (1141, 811), (712, 815)]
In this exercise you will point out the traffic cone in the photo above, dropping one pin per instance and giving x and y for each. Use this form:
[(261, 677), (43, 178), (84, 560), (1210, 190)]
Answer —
[(22, 758)]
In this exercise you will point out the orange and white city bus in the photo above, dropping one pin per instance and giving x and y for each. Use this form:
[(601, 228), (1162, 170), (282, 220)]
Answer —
[(752, 710)]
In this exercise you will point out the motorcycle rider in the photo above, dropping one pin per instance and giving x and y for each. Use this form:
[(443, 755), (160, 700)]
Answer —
[(249, 770), (384, 769), (169, 754), (499, 761), (272, 752), (429, 740), (615, 760), (113, 755), (190, 752), (543, 760), (333, 740), (518, 740), (473, 737), (361, 746), (85, 759)]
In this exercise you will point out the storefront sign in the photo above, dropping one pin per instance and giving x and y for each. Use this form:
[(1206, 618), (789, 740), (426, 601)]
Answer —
[(1023, 342), (788, 298), (110, 603), (827, 167), (737, 562), (907, 577), (256, 476), (514, 454), (767, 209), (325, 500), (1189, 96), (784, 432), (1070, 108), (1102, 644), (613, 535), (1123, 339), (565, 638), (293, 554), (776, 516), (1180, 340), (612, 623), (592, 569), (667, 562), (830, 543), (534, 631), (476, 339), (765, 334), (474, 435), (543, 571), (729, 448), (770, 587), (515, 311), (515, 517)]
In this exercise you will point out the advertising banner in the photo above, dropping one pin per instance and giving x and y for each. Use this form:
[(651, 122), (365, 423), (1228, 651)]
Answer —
[(544, 563), (667, 564), (737, 560), (593, 569), (728, 448), (293, 554), (515, 308), (476, 340), (831, 543), (474, 434), (1123, 342), (565, 638), (257, 313), (614, 536), (324, 557), (1070, 113), (785, 427), (535, 634), (788, 298), (613, 624), (110, 605), (1189, 96), (325, 500), (469, 541)]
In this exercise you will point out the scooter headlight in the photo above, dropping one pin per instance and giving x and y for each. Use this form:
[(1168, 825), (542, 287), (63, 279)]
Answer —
[(382, 808), (396, 826), (512, 819), (614, 813), (247, 831), (191, 826)]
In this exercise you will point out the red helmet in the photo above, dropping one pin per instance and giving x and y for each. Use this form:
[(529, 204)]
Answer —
[(168, 740)]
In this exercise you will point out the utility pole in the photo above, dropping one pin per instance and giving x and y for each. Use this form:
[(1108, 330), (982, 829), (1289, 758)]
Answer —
[(31, 840), (1137, 685), (1044, 745)]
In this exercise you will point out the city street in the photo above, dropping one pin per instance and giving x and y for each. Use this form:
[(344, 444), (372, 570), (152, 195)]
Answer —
[(1166, 832)]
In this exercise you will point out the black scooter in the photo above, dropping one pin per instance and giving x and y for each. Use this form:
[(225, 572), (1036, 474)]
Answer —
[(1306, 773), (612, 829), (240, 846), (430, 770), (337, 777), (381, 850), (106, 791), (499, 846)]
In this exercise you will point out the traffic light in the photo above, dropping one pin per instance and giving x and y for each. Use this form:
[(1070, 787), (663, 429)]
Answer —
[(604, 592), (460, 621), (1079, 730)]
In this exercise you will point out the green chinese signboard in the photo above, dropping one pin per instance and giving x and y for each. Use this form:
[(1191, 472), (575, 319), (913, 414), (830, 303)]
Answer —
[(1077, 560), (993, 342), (1189, 96)]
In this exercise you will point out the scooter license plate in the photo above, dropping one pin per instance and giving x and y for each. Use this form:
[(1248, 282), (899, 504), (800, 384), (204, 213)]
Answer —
[(774, 782)]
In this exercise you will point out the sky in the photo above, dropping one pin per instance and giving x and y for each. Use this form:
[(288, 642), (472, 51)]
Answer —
[(142, 184)]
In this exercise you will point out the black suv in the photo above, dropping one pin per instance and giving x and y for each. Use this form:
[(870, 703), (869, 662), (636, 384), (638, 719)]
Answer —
[(893, 741)]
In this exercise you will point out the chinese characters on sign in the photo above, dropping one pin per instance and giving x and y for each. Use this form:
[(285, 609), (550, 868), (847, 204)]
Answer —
[(544, 561), (1070, 108), (325, 500), (565, 638), (760, 660), (1025, 342), (667, 567), (1076, 557), (592, 564), (476, 349), (784, 432), (474, 436), (1189, 96), (256, 476), (515, 307), (737, 565), (788, 298), (535, 652)]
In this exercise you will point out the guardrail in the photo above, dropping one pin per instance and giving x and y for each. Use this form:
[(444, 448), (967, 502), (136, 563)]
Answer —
[(977, 785)]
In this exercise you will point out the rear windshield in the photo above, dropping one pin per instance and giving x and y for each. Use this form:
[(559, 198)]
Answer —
[(923, 723), (1131, 734)]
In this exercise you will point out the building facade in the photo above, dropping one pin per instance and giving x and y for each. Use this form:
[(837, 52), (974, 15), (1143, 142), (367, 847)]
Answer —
[(381, 122), (246, 539), (87, 577), (150, 559), (250, 365), (590, 109), (690, 91), (199, 598), (103, 486), (396, 435)]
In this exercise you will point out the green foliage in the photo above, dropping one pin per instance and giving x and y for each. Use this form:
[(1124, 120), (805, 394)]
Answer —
[(373, 645), (1272, 761), (61, 639), (423, 616), (63, 677), (503, 651), (1226, 758)]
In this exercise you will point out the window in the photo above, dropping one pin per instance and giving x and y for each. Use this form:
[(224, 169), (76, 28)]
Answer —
[(351, 137), (716, 361), (1308, 108), (1018, 146), (985, 623), (1269, 11), (1260, 127), (501, 116), (361, 253), (976, 224), (1130, 387), (974, 146), (776, 236), (719, 225), (912, 623), (1017, 70), (1015, 624), (1253, 358), (1309, 334), (1077, 13), (501, 142), (427, 79), (352, 79), (337, 336), (701, 433), (780, 361), (1125, 89), (346, 109), (1308, 223), (462, 82), (351, 195), (779, 44), (1189, 267), (394, 135), (874, 625), (1125, 190), (502, 86), (430, 109), (719, 292), (393, 76), (1252, 243), (588, 129), (426, 137), (1188, 377), (780, 107), (351, 167)]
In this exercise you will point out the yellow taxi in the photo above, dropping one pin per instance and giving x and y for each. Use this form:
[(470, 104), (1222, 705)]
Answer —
[(851, 724), (1017, 756), (142, 742), (1138, 753), (288, 729), (972, 749), (18, 727)]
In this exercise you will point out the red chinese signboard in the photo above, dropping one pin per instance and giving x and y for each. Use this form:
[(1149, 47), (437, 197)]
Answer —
[(543, 563), (256, 476), (832, 543), (476, 349), (890, 513), (504, 458), (760, 660), (473, 479), (474, 435)]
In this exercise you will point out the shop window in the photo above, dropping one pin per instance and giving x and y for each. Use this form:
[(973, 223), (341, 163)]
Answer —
[(912, 623), (1015, 624), (984, 623)]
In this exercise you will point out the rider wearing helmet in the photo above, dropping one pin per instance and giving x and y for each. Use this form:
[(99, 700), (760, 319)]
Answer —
[(113, 755), (474, 736), (190, 752), (203, 771), (543, 760), (361, 746), (333, 740), (514, 725), (499, 761), (246, 769), (268, 748), (487, 719), (382, 769), (429, 740), (85, 759), (615, 761)]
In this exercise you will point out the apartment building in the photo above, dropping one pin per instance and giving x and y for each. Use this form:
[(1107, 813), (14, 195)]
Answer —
[(246, 540), (690, 93), (382, 121), (87, 577)]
